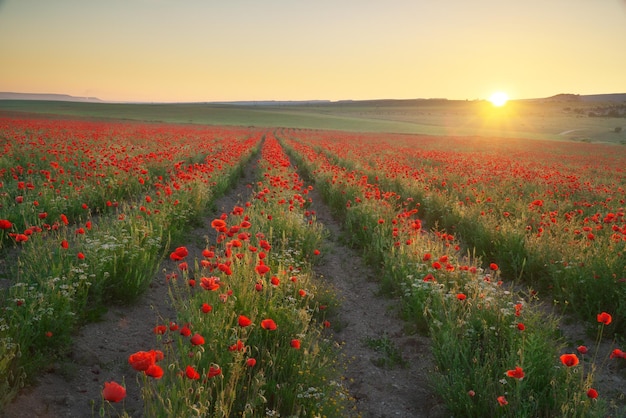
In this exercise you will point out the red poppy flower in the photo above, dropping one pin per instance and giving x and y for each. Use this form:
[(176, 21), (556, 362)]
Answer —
[(218, 224), (238, 346), (65, 245), (244, 321), (618, 353), (206, 308), (537, 202), (461, 296), (261, 269), (160, 329), (429, 278), (251, 362), (113, 392), (210, 283), (582, 349), (185, 331), (154, 370), (20, 237), (197, 339), (225, 268), (517, 373), (295, 343), (268, 324), (493, 266), (191, 373), (605, 318), (502, 401), (521, 326), (214, 370), (142, 360), (592, 393), (316, 252), (569, 360), (179, 253)]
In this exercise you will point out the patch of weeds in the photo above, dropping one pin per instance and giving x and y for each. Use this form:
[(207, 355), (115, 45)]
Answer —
[(391, 356)]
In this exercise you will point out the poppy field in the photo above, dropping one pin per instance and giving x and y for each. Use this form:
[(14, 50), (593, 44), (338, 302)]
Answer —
[(486, 241), (514, 227)]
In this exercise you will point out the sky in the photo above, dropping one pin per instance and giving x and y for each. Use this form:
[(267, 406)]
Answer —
[(228, 50)]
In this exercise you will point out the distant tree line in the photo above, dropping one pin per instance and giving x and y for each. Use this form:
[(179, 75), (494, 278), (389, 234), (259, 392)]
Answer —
[(609, 111)]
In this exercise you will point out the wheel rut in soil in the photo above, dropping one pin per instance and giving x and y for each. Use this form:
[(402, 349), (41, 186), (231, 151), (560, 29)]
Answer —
[(386, 369)]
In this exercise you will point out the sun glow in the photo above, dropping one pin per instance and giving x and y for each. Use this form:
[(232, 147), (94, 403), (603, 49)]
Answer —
[(499, 98)]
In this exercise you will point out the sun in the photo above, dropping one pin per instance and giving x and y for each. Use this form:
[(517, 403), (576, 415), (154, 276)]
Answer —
[(499, 98)]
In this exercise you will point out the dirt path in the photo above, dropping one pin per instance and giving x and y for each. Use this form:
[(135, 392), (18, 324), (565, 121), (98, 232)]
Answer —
[(370, 329)]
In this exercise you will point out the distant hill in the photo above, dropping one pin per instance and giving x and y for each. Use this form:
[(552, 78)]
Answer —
[(46, 97), (614, 97), (617, 97), (272, 102)]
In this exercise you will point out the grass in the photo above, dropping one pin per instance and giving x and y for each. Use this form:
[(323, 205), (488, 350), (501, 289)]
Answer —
[(390, 354)]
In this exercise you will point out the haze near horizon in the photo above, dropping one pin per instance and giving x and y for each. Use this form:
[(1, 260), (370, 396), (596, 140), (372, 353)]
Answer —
[(194, 50)]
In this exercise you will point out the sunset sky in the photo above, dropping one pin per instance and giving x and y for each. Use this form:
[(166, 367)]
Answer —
[(206, 50)]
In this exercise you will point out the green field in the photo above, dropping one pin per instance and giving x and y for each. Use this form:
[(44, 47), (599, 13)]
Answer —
[(556, 120)]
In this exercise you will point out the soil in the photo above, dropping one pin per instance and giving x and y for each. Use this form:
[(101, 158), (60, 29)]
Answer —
[(71, 387)]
